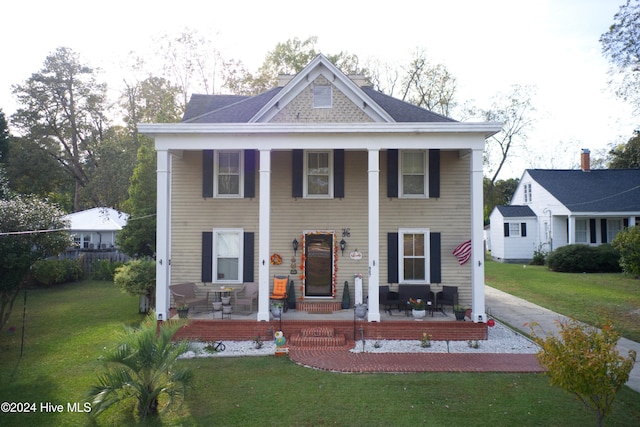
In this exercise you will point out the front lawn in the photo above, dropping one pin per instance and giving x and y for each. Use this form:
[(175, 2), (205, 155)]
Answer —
[(68, 326), (587, 297)]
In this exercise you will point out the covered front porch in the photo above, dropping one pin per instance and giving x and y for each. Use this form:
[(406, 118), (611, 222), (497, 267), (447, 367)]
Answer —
[(339, 328)]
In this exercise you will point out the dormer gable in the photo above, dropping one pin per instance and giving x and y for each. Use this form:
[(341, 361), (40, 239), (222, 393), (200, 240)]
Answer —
[(316, 93)]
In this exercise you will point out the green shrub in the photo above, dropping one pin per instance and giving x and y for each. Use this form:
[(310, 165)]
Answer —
[(54, 272), (584, 259), (539, 258), (628, 243), (104, 269), (137, 277)]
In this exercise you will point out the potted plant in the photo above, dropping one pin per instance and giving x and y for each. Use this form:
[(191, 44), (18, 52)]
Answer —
[(346, 297), (360, 310), (257, 342), (183, 311), (276, 310), (418, 308), (460, 312)]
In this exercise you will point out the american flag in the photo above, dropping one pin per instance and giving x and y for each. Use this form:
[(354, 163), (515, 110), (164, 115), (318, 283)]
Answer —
[(463, 252)]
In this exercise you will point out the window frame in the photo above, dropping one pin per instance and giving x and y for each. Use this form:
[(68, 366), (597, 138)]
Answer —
[(512, 229), (427, 255), (582, 230), (612, 232), (216, 175), (214, 262), (425, 174), (305, 175), (528, 193)]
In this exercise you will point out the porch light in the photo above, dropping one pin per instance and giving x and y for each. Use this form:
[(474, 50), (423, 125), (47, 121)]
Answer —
[(295, 246), (343, 244)]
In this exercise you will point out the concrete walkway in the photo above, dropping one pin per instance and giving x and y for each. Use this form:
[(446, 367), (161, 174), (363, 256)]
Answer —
[(516, 312)]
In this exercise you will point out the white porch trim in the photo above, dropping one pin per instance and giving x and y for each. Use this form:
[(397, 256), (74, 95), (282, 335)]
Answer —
[(264, 235), (163, 262), (374, 234), (478, 313)]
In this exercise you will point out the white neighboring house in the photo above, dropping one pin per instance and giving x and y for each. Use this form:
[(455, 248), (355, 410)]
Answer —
[(96, 228), (581, 206)]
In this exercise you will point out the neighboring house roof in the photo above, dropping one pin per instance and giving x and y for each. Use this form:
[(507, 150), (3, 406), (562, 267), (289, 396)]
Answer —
[(97, 219), (246, 109), (515, 211), (599, 190)]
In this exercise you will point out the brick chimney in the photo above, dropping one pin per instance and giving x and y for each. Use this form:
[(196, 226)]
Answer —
[(585, 160)]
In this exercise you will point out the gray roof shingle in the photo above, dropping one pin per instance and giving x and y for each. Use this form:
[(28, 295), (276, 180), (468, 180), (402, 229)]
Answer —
[(515, 211), (599, 190)]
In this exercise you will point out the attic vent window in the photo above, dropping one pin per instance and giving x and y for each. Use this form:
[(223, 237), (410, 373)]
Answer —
[(322, 96)]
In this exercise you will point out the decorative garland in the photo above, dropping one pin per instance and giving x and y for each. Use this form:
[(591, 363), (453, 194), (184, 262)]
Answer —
[(303, 259), (276, 259)]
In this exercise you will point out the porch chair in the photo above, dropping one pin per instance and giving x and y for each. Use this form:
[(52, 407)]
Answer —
[(447, 296), (248, 296), (388, 298), (186, 293), (279, 293)]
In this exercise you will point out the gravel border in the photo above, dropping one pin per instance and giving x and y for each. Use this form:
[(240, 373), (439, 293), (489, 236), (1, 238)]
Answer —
[(501, 340)]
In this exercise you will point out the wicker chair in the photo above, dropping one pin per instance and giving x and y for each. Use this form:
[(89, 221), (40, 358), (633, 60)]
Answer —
[(248, 296), (185, 293)]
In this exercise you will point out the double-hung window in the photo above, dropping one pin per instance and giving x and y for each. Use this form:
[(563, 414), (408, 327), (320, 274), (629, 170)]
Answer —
[(227, 255), (527, 193), (413, 254), (318, 174), (514, 229), (614, 226), (581, 231), (228, 177), (413, 173)]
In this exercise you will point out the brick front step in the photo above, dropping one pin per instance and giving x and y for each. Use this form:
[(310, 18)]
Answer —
[(318, 306)]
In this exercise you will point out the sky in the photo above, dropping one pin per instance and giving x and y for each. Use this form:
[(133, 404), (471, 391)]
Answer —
[(487, 45)]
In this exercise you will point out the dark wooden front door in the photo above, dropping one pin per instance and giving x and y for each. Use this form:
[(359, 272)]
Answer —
[(318, 264)]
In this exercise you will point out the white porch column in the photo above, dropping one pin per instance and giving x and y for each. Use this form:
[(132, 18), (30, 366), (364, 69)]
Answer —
[(571, 238), (163, 274), (264, 234), (374, 234), (632, 221), (477, 247)]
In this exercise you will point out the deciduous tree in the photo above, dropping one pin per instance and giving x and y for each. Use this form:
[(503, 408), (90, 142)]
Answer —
[(621, 46), (626, 156), (584, 361)]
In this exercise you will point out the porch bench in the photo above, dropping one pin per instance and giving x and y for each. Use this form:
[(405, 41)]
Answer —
[(187, 293)]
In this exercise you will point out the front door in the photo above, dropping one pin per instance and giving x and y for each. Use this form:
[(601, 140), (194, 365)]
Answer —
[(318, 264)]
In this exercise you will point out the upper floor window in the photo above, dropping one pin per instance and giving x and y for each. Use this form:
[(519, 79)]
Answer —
[(318, 176), (413, 173), (227, 254), (413, 253), (527, 193), (228, 176), (322, 96)]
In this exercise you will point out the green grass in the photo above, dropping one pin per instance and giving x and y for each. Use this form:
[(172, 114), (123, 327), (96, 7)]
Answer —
[(591, 298), (68, 326)]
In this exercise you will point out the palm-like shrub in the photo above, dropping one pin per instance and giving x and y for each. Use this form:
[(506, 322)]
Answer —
[(142, 367)]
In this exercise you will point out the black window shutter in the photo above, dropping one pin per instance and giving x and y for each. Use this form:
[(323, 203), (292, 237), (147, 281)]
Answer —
[(392, 174), (207, 173), (297, 163), (603, 230), (523, 229), (247, 257), (249, 174), (506, 229), (434, 173), (392, 257), (592, 230), (436, 258), (207, 256), (338, 174), (625, 222)]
